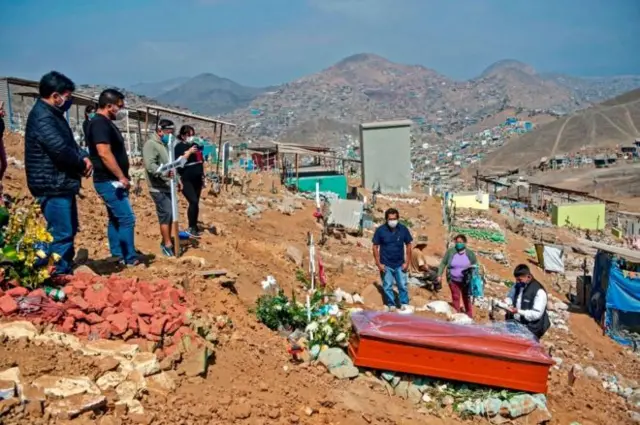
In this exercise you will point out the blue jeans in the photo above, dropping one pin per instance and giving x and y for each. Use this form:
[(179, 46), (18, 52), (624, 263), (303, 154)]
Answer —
[(121, 221), (61, 214), (400, 276)]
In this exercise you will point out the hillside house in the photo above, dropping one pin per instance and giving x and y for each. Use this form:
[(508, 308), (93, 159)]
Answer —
[(559, 162)]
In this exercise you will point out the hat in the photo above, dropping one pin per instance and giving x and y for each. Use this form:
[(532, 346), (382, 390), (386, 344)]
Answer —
[(421, 240)]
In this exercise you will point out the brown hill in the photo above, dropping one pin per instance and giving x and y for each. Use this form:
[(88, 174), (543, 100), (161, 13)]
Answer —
[(367, 87), (615, 122)]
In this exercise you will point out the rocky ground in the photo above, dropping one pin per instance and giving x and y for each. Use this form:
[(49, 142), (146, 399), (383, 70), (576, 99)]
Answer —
[(250, 378)]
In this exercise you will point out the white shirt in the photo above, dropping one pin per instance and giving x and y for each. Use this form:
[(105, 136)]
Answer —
[(539, 305)]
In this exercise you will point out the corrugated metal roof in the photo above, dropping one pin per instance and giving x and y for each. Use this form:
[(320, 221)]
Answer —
[(386, 124), (188, 115)]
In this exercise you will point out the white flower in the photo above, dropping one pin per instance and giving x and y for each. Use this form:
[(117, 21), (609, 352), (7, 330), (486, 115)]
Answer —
[(328, 330), (341, 336), (312, 327)]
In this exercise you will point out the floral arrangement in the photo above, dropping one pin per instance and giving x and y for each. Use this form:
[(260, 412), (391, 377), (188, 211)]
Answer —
[(329, 331), (278, 312), (24, 241)]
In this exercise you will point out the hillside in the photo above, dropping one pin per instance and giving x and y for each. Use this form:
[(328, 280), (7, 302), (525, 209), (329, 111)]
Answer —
[(616, 121), (209, 94), (367, 87), (158, 88)]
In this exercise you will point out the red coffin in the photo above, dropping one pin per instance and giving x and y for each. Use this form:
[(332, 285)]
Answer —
[(468, 353)]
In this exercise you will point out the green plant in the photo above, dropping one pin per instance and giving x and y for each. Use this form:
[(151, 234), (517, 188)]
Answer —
[(301, 276), (278, 311)]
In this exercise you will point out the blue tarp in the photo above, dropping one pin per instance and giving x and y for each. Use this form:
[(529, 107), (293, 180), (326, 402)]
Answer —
[(619, 296)]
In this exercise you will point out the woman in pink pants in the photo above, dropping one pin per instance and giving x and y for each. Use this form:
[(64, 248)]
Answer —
[(456, 260)]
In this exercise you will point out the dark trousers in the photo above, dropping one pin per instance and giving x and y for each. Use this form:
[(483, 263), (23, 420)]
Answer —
[(61, 214), (191, 189)]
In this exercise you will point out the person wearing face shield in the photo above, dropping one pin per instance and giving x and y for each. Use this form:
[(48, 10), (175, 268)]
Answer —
[(55, 165), (154, 154), (458, 260), (89, 112), (526, 302), (191, 175), (392, 254), (108, 154)]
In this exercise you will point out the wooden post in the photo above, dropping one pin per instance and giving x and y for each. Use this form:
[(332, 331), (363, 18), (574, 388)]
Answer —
[(140, 141), (146, 122), (297, 174), (219, 150)]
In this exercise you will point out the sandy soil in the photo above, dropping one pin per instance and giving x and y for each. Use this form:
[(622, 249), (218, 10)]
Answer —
[(252, 380)]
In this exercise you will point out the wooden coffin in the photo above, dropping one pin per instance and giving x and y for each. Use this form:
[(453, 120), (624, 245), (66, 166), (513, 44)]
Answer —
[(476, 354)]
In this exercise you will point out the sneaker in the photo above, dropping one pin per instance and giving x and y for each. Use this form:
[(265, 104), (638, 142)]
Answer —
[(389, 309), (193, 232), (167, 251), (406, 309)]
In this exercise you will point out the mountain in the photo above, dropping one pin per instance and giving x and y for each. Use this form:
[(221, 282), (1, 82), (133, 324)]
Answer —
[(611, 123), (209, 94), (367, 87), (156, 89)]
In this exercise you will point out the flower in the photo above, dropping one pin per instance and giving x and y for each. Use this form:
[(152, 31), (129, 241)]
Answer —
[(56, 257), (41, 254), (328, 330), (313, 326), (341, 336)]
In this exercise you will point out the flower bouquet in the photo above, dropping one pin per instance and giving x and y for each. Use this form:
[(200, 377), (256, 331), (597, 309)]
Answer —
[(24, 242)]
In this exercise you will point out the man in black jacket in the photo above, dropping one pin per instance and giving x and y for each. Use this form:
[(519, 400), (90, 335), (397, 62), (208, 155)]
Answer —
[(54, 164), (527, 302)]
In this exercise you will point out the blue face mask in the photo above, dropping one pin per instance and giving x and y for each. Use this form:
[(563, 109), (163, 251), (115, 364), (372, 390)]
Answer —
[(166, 138), (459, 246), (91, 115)]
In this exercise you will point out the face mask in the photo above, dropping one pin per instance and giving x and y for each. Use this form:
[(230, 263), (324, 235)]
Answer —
[(121, 114), (392, 223), (166, 138), (460, 246), (91, 115), (65, 105), (190, 139)]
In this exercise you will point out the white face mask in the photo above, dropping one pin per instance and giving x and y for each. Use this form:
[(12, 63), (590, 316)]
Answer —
[(121, 114), (190, 139), (392, 223)]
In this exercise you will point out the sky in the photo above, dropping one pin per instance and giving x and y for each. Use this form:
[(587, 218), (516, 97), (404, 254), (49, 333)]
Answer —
[(265, 42)]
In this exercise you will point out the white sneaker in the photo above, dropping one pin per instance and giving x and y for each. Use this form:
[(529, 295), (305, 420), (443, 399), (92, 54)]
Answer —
[(388, 309), (406, 309)]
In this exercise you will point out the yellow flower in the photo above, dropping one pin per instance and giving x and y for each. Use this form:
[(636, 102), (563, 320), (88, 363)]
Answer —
[(55, 256), (43, 274), (41, 254)]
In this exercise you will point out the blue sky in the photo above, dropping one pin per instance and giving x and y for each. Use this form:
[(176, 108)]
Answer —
[(261, 42)]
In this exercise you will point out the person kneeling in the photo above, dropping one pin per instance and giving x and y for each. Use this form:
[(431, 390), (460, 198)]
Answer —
[(527, 302)]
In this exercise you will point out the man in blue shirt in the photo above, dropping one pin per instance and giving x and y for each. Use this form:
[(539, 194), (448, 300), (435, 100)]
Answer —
[(392, 252)]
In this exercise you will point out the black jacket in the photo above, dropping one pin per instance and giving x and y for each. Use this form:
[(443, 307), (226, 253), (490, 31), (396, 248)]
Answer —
[(54, 162), (537, 327)]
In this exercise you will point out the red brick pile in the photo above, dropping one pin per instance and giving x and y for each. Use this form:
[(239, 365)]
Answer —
[(108, 307)]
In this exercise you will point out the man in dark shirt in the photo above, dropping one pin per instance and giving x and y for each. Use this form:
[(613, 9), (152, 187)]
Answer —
[(392, 253), (54, 164), (111, 174)]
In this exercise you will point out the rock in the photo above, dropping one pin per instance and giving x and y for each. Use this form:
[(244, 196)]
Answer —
[(135, 410), (557, 360), (414, 394), (117, 349), (57, 386), (309, 411), (84, 270), (241, 409), (634, 399), (35, 408), (195, 364), (110, 380), (447, 401), (192, 260), (107, 364), (161, 383), (387, 376), (338, 363), (7, 389), (18, 329), (402, 390), (460, 319), (109, 420), (129, 390), (426, 398), (12, 375), (60, 339), (591, 372), (70, 407), (8, 305), (7, 405), (145, 363), (294, 255), (440, 307), (576, 372), (560, 306)]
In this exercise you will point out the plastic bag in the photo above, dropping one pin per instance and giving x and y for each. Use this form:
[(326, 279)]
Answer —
[(476, 284)]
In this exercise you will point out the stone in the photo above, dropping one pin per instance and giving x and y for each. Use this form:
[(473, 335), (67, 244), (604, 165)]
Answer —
[(8, 305), (192, 260), (109, 420), (338, 363), (447, 401), (414, 394), (402, 390), (110, 380), (558, 361), (58, 386), (35, 408), (128, 390), (18, 291), (145, 363), (309, 411), (560, 306), (107, 364), (635, 417), (294, 255), (7, 405), (71, 407), (12, 375), (135, 408), (162, 383), (426, 398), (7, 389), (387, 376), (60, 339), (576, 372), (591, 372), (142, 308), (196, 364), (117, 349), (18, 329), (84, 270)]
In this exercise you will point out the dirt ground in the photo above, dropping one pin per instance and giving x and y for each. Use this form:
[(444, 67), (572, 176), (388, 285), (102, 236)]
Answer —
[(252, 380)]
